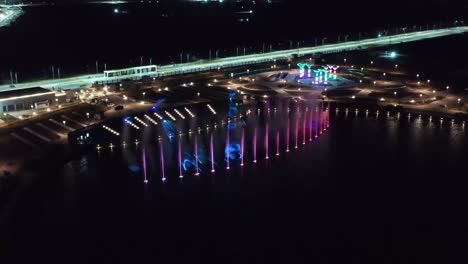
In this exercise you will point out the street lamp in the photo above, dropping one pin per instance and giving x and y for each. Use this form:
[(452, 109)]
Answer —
[(87, 114)]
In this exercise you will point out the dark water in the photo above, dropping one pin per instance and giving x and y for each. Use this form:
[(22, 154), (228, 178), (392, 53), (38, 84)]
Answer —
[(73, 36), (369, 190)]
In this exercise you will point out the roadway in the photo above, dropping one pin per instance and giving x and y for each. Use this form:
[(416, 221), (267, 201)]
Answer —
[(204, 65)]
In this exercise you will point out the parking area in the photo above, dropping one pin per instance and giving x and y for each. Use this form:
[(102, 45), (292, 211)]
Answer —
[(37, 133)]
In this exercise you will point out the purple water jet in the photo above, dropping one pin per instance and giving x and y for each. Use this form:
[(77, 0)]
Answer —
[(304, 129), (311, 114), (255, 145), (287, 135), (266, 141), (144, 165), (321, 118), (277, 142), (316, 122), (296, 131)]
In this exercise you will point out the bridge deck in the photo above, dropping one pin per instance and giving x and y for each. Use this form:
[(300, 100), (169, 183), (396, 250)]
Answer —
[(203, 65)]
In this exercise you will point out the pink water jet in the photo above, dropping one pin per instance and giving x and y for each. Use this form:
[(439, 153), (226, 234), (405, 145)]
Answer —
[(321, 118), (311, 114), (255, 145), (277, 142), (296, 131), (287, 135), (212, 153), (144, 165), (266, 142), (304, 129), (316, 122), (325, 119)]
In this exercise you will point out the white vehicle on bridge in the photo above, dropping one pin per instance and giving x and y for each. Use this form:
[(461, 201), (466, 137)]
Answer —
[(142, 70)]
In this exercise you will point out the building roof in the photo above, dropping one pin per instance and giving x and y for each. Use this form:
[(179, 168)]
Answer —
[(23, 92)]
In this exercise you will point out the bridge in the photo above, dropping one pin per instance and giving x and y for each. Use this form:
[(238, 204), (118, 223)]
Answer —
[(223, 63)]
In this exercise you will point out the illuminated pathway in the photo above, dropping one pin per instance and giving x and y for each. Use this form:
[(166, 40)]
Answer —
[(8, 15), (204, 65)]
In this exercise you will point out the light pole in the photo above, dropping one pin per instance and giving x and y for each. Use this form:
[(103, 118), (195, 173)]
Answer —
[(323, 41)]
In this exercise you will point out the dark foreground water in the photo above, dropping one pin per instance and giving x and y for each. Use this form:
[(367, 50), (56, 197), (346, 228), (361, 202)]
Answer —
[(380, 191)]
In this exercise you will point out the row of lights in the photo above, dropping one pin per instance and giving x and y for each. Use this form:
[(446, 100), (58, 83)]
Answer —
[(189, 112), (140, 121), (159, 116), (171, 116), (211, 109), (110, 130), (151, 119), (398, 115), (132, 124), (179, 114)]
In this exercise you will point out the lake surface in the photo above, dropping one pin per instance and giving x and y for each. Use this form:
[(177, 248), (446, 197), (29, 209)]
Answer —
[(369, 189)]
